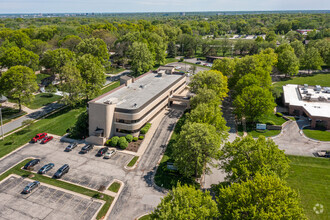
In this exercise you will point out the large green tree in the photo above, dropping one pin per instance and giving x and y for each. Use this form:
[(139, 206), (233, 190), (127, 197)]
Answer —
[(288, 63), (211, 79), (264, 197), (95, 47), (312, 60), (19, 83), (141, 58), (254, 102), (186, 202), (299, 48), (196, 146), (205, 95), (171, 49), (245, 157), (15, 56), (226, 66), (55, 60)]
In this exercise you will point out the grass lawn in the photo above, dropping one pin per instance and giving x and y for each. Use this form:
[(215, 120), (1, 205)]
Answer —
[(57, 124), (133, 161), (64, 185), (9, 114), (43, 99), (167, 61), (114, 187), (310, 177), (320, 135), (316, 79), (274, 118), (110, 87), (266, 133), (291, 117), (115, 70), (41, 76), (145, 217)]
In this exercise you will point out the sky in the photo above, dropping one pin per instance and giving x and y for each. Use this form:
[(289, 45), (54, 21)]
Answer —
[(66, 6)]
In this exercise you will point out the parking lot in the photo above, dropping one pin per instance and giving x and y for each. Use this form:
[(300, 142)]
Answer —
[(44, 202)]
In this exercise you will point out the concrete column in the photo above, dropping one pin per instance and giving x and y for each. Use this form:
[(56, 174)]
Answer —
[(313, 123)]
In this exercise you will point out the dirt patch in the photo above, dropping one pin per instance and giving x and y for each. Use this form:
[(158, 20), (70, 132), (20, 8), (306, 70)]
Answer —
[(134, 145)]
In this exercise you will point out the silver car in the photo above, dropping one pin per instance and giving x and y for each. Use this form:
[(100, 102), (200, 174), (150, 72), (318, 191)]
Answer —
[(109, 154)]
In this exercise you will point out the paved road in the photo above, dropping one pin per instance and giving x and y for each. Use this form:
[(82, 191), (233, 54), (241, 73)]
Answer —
[(139, 196), (34, 115)]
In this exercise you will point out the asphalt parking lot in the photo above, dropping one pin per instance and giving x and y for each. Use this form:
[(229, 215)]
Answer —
[(44, 202)]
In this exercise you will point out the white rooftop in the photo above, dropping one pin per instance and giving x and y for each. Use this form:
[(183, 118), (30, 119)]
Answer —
[(295, 95), (140, 92)]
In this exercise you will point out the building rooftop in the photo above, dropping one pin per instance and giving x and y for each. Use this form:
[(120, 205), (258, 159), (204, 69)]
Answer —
[(309, 99), (141, 91)]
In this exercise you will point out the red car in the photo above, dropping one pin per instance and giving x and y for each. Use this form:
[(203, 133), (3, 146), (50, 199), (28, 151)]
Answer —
[(46, 139), (38, 137)]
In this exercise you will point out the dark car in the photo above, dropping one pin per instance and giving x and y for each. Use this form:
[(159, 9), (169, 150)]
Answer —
[(102, 151), (31, 163), (46, 168), (38, 137), (30, 187), (86, 148), (63, 170), (46, 139), (70, 147), (198, 62)]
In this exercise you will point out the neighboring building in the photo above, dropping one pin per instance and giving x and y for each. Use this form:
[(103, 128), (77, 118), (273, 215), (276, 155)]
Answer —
[(129, 107), (312, 101), (304, 31)]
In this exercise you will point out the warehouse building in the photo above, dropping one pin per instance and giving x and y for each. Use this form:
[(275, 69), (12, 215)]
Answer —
[(129, 107)]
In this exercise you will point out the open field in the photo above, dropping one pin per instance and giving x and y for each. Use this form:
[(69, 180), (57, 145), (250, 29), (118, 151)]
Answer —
[(310, 177), (40, 100), (317, 134)]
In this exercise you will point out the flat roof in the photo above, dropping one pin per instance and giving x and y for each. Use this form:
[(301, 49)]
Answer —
[(140, 92), (293, 96)]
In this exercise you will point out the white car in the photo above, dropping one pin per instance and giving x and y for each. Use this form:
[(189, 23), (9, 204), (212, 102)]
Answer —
[(110, 153), (178, 67)]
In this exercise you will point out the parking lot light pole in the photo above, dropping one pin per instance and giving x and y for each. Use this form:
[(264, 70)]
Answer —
[(3, 138)]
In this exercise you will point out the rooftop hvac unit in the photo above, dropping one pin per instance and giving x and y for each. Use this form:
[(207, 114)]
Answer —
[(318, 88), (305, 86)]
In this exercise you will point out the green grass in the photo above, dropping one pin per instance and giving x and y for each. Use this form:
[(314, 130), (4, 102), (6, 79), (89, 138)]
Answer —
[(64, 185), (9, 114), (266, 133), (274, 118), (43, 99), (116, 70), (133, 161), (321, 135), (291, 118), (316, 79), (41, 76), (114, 187), (110, 87), (310, 177), (57, 124), (194, 64), (145, 217), (167, 61)]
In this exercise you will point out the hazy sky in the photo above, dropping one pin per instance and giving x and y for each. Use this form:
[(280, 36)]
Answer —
[(44, 6)]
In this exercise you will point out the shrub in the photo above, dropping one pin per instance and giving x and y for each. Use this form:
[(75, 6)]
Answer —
[(145, 128), (135, 139), (122, 143), (129, 138), (114, 141), (279, 114), (181, 59), (107, 143), (141, 137), (270, 123)]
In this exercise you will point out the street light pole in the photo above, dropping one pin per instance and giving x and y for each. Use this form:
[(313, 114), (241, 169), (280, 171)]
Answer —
[(3, 138)]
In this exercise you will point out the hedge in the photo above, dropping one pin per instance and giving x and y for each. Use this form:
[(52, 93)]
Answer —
[(122, 143), (114, 141), (141, 137), (145, 128), (135, 139), (279, 114), (129, 138)]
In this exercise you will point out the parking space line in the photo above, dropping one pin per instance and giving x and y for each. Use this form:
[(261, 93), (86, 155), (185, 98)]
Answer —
[(89, 204)]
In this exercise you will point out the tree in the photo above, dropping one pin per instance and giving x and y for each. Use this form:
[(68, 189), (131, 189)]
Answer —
[(209, 114), (323, 46), (312, 60), (92, 73), (20, 39), (15, 56), (246, 81), (288, 63), (19, 83), (193, 68), (245, 157), (226, 66), (70, 42), (39, 47), (204, 95), (55, 60), (196, 146), (299, 48), (80, 129), (171, 49), (254, 102), (264, 197), (141, 58), (73, 86), (186, 202), (95, 47), (211, 79), (271, 36)]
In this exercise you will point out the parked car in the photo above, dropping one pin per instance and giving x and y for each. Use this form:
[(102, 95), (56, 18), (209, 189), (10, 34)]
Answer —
[(198, 62), (30, 187), (109, 154), (38, 137), (323, 153), (46, 139), (63, 170), (71, 146), (86, 148), (102, 151), (46, 168), (31, 163)]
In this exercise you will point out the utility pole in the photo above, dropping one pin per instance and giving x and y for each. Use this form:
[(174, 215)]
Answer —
[(3, 138)]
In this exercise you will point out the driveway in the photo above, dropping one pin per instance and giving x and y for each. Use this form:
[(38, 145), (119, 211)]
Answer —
[(186, 67)]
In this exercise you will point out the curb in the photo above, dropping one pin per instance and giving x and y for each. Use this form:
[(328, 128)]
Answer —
[(311, 139), (122, 184), (141, 216)]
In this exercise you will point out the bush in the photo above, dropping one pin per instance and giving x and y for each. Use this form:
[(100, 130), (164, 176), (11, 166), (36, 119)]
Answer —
[(181, 59), (279, 114), (107, 143), (122, 143), (129, 138), (141, 137), (145, 128), (114, 141), (135, 139), (270, 123)]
